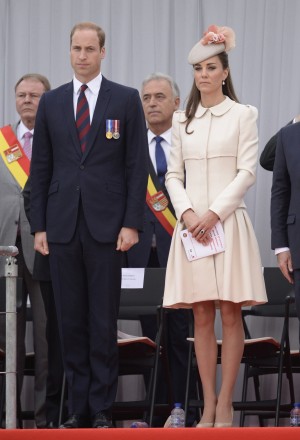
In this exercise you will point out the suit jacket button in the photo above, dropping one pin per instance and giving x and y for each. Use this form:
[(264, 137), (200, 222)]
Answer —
[(77, 188), (82, 167)]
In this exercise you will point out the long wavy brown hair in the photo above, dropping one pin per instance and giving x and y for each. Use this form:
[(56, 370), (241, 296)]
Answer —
[(195, 95)]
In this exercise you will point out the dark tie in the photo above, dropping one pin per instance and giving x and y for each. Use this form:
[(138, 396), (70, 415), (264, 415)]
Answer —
[(161, 162), (83, 117)]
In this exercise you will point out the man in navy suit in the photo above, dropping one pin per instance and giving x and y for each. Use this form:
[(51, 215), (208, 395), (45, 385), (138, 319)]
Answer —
[(285, 206), (87, 206)]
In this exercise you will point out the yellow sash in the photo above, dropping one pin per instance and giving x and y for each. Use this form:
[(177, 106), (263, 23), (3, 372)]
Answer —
[(163, 214), (13, 155)]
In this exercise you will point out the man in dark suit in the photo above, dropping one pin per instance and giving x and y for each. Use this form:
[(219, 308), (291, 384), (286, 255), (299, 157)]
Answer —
[(41, 273), (89, 174), (160, 98), (285, 206), (267, 156)]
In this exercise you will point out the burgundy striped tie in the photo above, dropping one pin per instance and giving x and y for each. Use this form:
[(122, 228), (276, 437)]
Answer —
[(83, 117)]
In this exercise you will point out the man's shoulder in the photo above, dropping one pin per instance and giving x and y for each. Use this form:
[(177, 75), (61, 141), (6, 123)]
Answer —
[(60, 89), (290, 128), (117, 87)]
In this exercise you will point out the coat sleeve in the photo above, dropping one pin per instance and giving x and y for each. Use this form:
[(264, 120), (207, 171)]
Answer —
[(40, 170), (232, 196), (280, 198), (136, 163), (175, 177)]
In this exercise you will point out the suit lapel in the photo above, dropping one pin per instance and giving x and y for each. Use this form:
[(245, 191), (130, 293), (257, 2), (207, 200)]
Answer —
[(68, 106), (101, 105)]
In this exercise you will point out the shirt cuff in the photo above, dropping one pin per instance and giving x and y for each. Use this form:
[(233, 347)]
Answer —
[(279, 250)]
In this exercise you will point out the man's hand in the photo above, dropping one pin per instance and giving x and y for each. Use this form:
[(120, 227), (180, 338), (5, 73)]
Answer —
[(41, 243), (284, 260), (127, 238)]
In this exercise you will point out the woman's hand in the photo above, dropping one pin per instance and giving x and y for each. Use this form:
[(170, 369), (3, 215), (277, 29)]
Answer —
[(200, 226)]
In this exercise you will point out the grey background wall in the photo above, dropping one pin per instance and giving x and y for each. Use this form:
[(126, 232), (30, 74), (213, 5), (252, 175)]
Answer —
[(156, 35)]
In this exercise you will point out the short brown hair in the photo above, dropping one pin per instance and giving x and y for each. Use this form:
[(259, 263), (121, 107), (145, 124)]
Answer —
[(91, 26), (35, 77)]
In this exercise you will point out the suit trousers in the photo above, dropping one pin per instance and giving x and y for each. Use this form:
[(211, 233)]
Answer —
[(86, 279), (55, 365)]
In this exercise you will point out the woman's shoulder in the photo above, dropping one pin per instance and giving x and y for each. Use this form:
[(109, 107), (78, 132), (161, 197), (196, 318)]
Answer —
[(247, 109), (179, 116)]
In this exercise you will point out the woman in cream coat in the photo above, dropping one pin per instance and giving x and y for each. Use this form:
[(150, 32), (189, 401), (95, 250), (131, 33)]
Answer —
[(212, 165)]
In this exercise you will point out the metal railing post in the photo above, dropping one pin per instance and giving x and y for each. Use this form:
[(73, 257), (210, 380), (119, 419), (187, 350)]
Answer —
[(11, 273)]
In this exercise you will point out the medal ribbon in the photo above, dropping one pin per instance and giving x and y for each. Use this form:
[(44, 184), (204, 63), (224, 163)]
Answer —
[(19, 168), (116, 126), (109, 124), (165, 217)]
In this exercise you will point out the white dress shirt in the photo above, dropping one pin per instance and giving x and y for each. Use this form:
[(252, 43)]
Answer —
[(21, 130), (91, 93)]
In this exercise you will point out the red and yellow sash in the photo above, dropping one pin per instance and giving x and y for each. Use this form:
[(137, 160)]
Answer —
[(158, 203), (13, 155)]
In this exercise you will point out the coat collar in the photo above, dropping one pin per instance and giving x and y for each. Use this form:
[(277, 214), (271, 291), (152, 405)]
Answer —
[(217, 110)]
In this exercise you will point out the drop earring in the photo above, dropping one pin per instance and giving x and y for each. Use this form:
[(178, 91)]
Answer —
[(223, 83)]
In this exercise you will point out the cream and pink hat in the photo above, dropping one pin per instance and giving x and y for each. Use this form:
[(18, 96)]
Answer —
[(215, 40)]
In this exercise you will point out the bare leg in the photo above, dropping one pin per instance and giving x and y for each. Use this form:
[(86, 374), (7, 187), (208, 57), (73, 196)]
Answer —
[(232, 351), (206, 353)]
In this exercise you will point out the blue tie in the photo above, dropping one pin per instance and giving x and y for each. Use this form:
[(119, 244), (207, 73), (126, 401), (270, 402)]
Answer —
[(161, 162)]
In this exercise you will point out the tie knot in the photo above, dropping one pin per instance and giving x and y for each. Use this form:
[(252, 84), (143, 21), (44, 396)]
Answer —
[(83, 88), (27, 135), (158, 139)]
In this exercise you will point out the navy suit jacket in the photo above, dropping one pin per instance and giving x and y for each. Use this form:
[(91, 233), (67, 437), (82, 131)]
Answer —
[(41, 268), (285, 200), (109, 178)]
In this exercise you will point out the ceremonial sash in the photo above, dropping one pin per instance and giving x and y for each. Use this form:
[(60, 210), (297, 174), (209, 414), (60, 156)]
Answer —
[(13, 155), (159, 203)]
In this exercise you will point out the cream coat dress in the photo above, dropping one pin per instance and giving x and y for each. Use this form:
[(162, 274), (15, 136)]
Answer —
[(220, 160)]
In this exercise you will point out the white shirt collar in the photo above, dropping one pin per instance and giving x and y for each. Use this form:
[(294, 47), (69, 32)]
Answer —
[(93, 85), (22, 129), (166, 136)]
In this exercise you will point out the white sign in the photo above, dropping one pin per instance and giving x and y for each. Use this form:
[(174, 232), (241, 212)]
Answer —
[(132, 278)]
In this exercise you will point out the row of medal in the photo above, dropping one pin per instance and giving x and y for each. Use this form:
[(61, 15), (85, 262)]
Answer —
[(112, 128)]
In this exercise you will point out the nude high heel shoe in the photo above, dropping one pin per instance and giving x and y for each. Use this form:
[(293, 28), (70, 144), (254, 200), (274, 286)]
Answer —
[(227, 424), (205, 425)]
